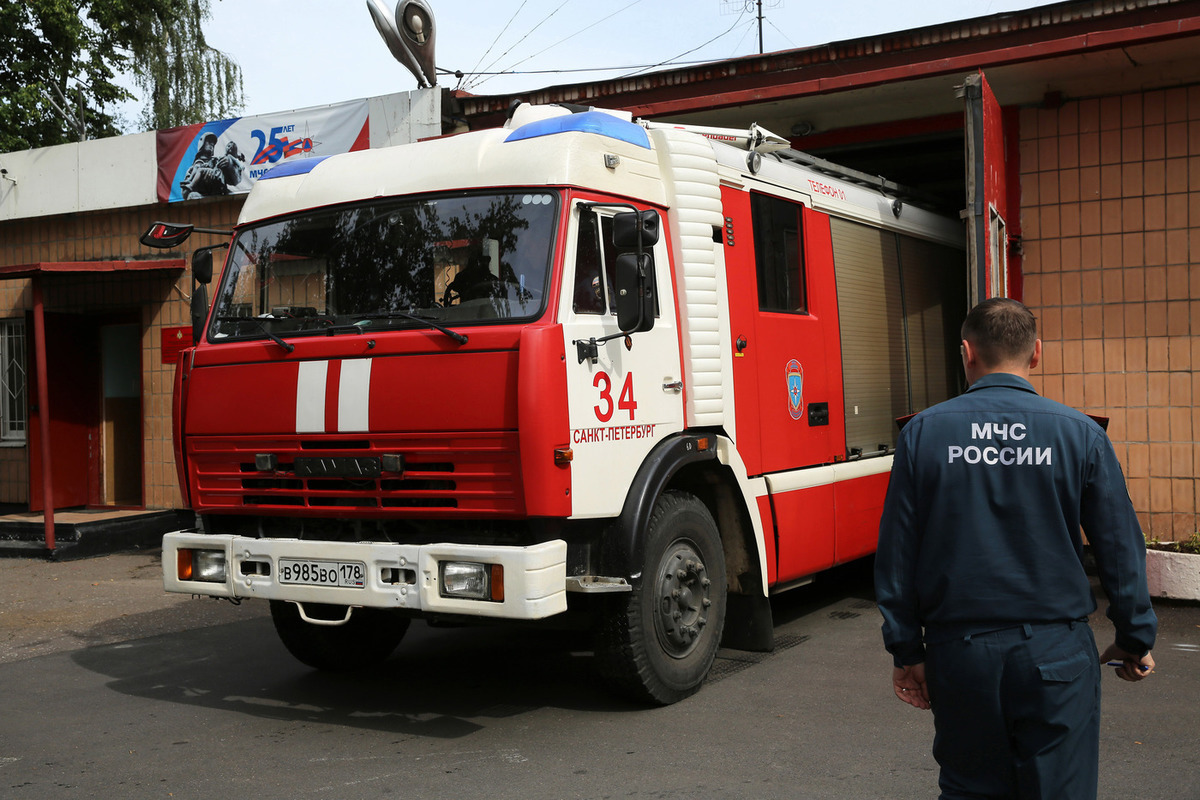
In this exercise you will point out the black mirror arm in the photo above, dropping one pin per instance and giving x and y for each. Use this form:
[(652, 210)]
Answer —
[(590, 205), (587, 350), (209, 248)]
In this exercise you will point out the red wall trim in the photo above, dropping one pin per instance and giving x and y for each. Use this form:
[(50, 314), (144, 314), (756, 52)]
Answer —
[(1033, 51), (1012, 211)]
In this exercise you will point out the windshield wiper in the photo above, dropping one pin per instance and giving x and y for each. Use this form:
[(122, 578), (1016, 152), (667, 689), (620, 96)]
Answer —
[(461, 338), (262, 326)]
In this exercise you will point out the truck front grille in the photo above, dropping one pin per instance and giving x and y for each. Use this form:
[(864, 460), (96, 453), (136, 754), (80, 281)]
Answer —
[(442, 475)]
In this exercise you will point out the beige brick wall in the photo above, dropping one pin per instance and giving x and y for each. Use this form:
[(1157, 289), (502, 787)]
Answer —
[(158, 299), (1110, 199)]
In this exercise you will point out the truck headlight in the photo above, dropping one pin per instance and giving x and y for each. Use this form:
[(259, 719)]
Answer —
[(472, 581), (202, 565)]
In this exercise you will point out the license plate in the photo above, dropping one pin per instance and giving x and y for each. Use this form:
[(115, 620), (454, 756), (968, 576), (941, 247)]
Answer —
[(309, 572)]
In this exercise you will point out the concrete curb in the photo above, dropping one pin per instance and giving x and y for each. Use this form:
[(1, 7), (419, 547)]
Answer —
[(89, 538), (1175, 576)]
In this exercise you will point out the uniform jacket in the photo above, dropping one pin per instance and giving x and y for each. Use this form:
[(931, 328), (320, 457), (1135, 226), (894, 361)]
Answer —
[(981, 525)]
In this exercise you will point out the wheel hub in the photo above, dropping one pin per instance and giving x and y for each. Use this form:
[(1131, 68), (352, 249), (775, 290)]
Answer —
[(684, 591)]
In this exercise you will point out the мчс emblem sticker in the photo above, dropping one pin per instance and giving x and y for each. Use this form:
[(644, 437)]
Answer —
[(795, 389)]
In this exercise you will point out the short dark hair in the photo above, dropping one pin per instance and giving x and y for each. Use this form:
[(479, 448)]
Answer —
[(1001, 330)]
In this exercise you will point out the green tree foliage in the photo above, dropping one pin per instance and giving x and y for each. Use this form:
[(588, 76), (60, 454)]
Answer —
[(72, 53), (186, 81)]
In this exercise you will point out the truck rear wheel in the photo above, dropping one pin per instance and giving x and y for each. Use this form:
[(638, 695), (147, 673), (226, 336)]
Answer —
[(657, 643), (366, 639)]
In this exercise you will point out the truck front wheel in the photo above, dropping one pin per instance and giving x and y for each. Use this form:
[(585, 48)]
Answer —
[(657, 643), (366, 639)]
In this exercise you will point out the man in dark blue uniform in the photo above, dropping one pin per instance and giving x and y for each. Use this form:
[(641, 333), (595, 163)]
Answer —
[(980, 575)]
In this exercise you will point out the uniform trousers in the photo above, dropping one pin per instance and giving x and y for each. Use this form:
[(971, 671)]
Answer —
[(1016, 712)]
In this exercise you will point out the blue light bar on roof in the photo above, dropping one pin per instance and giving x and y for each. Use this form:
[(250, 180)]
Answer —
[(287, 168), (586, 122)]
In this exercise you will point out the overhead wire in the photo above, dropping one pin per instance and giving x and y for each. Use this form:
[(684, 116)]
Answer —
[(738, 46), (784, 35), (510, 71), (694, 49), (526, 36), (493, 44), (445, 71), (477, 77)]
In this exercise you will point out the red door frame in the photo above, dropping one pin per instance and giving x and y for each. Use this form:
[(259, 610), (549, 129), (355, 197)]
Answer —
[(63, 433), (987, 184)]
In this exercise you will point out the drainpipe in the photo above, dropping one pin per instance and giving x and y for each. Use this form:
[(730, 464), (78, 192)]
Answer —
[(39, 355)]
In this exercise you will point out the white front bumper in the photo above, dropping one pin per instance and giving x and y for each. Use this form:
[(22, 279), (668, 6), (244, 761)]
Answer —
[(534, 577)]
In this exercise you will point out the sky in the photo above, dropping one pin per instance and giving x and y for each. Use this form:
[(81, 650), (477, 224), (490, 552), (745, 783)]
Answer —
[(300, 53)]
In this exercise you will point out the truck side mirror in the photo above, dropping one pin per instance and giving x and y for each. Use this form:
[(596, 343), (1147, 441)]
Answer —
[(199, 311), (633, 229), (165, 235), (202, 265), (635, 292), (636, 231)]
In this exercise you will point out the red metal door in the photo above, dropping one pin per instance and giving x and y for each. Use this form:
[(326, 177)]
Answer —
[(788, 393), (72, 377), (987, 191), (782, 390)]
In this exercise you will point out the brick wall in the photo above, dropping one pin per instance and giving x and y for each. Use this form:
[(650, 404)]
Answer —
[(157, 299), (1110, 198)]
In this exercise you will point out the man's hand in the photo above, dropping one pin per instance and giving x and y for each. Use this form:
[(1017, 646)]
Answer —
[(909, 684), (1132, 668)]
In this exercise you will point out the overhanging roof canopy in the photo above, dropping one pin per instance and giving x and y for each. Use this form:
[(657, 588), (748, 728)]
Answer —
[(90, 268)]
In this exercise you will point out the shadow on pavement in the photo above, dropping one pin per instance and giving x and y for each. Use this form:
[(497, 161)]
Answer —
[(441, 682)]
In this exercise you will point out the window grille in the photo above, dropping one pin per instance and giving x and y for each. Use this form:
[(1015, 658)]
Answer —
[(12, 380)]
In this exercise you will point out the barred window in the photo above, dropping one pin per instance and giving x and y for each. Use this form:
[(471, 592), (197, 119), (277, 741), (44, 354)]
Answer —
[(12, 380)]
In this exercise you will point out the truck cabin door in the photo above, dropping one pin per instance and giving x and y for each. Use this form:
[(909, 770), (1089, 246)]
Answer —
[(631, 395)]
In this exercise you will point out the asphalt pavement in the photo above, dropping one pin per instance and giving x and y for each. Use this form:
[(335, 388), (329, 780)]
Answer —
[(112, 688)]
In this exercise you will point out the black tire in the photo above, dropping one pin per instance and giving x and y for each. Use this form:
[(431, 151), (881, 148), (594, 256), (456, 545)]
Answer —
[(657, 643), (367, 638)]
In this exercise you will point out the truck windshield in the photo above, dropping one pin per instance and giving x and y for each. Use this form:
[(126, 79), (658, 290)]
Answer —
[(454, 260)]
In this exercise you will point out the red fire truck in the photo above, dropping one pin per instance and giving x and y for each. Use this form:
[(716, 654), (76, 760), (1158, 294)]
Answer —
[(640, 371)]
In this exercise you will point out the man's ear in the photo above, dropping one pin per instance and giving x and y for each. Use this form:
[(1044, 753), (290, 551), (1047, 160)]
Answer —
[(968, 353), (1037, 354)]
